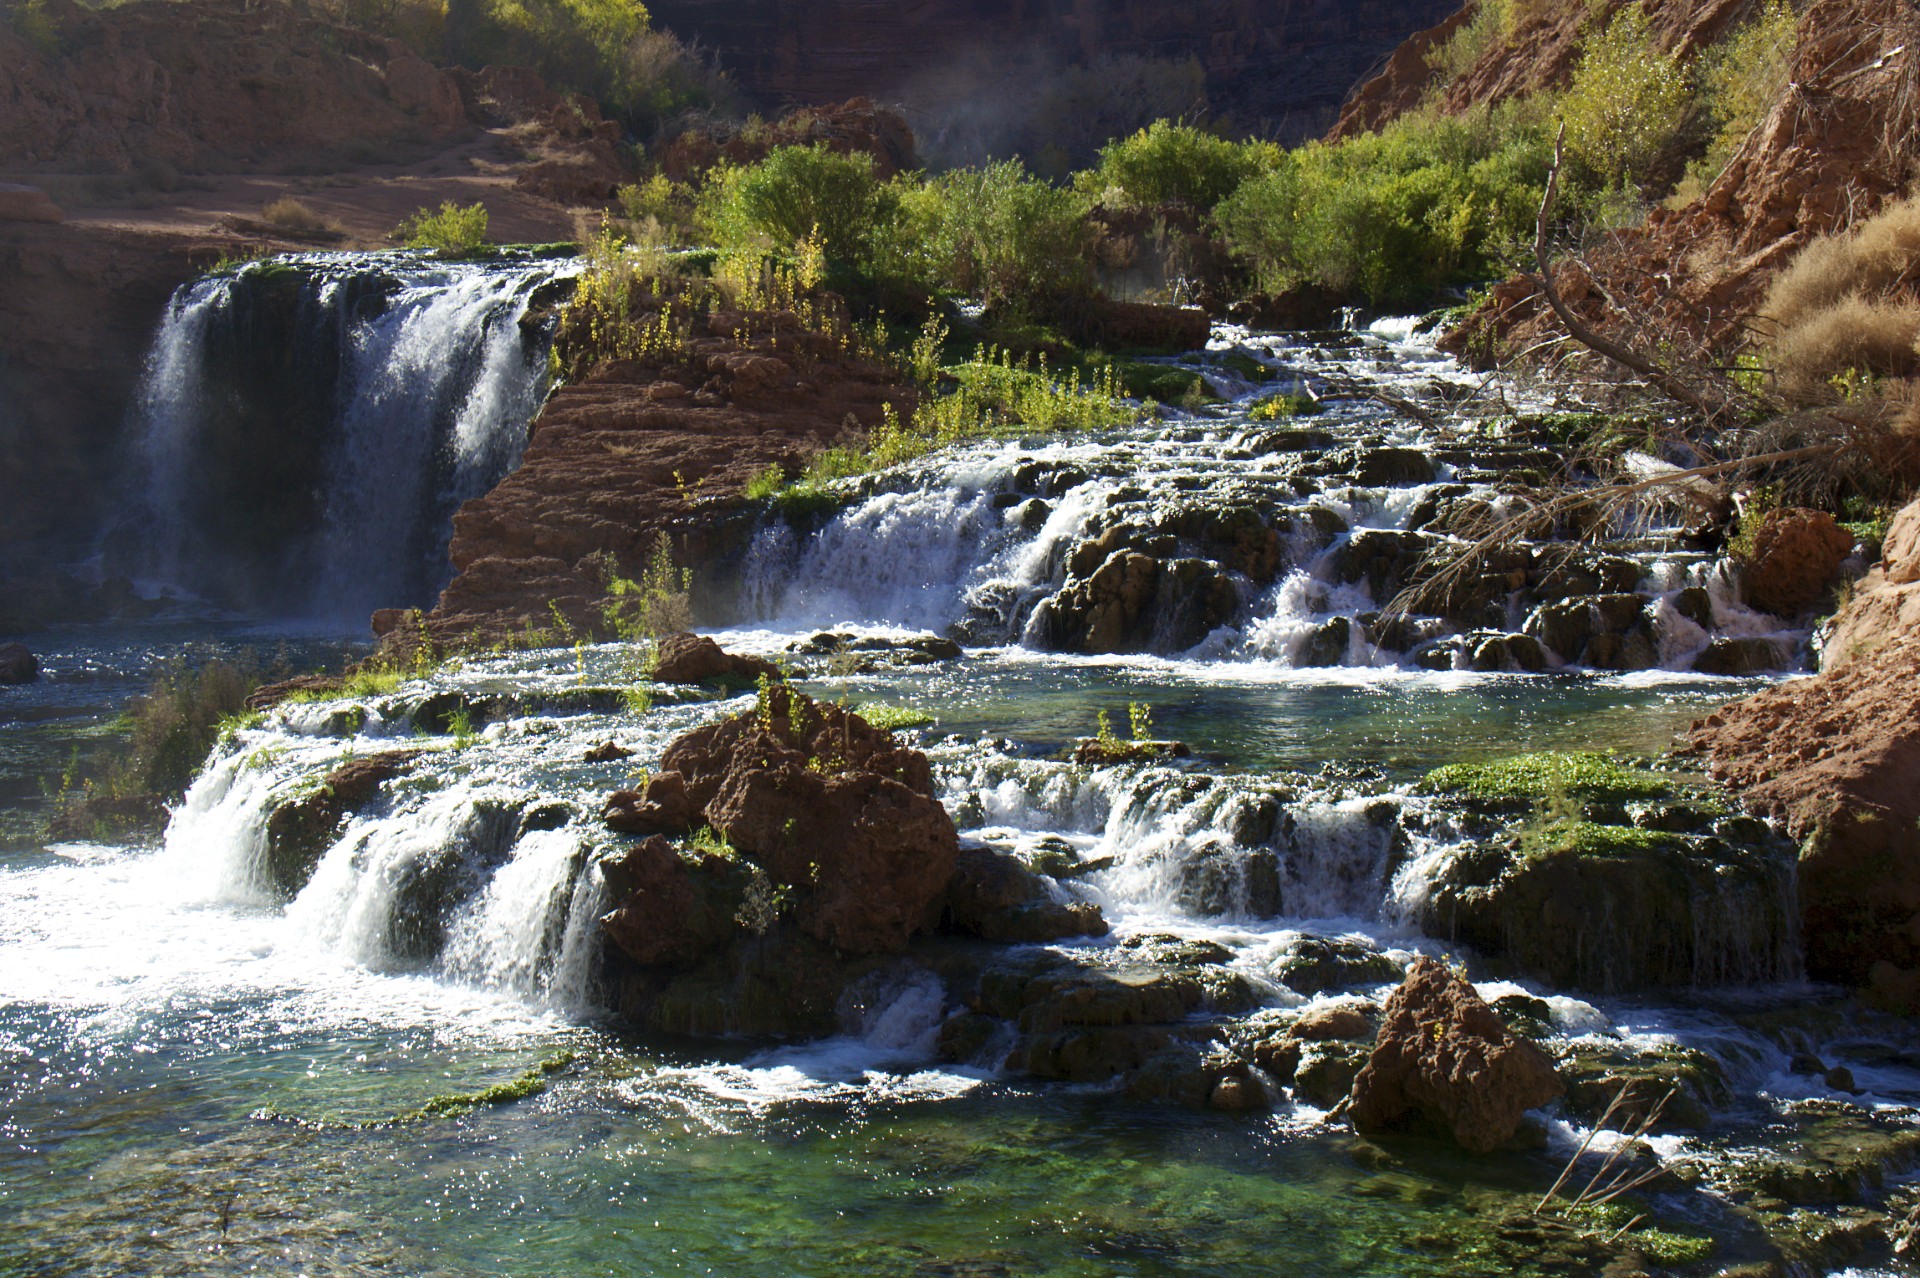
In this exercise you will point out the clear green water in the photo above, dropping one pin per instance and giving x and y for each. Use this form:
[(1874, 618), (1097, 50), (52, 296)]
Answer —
[(143, 1040)]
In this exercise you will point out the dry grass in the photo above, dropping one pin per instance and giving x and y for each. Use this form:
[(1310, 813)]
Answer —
[(1873, 261), (289, 214), (1837, 351)]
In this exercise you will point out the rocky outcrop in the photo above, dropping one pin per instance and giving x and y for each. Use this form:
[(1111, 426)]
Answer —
[(639, 449), (18, 664), (299, 832), (20, 203), (1796, 557), (1837, 758), (691, 658), (832, 810), (995, 897), (1444, 1057)]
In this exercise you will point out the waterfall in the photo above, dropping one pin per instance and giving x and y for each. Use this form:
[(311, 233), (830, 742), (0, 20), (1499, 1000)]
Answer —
[(307, 426)]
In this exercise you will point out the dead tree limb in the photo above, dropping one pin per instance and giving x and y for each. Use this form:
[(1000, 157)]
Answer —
[(1661, 379)]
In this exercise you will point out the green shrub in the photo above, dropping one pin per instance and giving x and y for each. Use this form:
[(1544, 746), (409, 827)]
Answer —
[(1428, 201), (1168, 163), (173, 727), (454, 230), (1626, 102), (994, 233), (796, 193)]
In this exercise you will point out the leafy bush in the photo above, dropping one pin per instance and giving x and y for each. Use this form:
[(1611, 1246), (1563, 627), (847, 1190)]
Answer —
[(996, 233), (1428, 201), (176, 723), (1177, 164), (1626, 102), (291, 215), (1741, 78), (796, 193), (453, 230)]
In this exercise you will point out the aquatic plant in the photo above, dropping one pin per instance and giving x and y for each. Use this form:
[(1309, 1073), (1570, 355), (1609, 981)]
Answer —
[(1530, 777)]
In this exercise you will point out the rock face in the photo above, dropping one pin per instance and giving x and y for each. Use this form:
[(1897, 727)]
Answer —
[(1837, 758), (1445, 1057), (222, 82), (831, 809), (961, 63), (17, 664), (20, 203), (644, 448), (1796, 556)]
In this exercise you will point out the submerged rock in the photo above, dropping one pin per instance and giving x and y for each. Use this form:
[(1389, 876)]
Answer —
[(1444, 1057), (17, 664), (300, 832), (1315, 963)]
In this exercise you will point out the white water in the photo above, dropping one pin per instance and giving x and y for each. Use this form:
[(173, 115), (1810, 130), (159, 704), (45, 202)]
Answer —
[(426, 406)]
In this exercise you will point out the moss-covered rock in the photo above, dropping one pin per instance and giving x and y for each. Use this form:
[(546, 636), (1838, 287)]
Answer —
[(1532, 778)]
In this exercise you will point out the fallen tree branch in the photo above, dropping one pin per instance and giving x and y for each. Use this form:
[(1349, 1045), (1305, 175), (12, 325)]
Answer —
[(1660, 378)]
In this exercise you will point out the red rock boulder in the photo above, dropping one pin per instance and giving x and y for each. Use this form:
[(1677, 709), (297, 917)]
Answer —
[(1796, 555), (675, 907), (1444, 1056), (836, 813), (691, 658)]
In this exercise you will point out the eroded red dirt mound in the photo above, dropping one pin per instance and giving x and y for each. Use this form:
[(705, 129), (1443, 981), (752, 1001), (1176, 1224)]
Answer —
[(1837, 757)]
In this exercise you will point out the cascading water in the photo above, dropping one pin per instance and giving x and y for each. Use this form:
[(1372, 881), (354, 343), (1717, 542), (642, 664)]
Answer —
[(446, 933), (308, 425)]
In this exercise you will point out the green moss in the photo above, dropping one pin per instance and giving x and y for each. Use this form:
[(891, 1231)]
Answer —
[(455, 1104), (1666, 1247), (893, 718), (1586, 838), (1285, 407), (1167, 383), (1528, 778)]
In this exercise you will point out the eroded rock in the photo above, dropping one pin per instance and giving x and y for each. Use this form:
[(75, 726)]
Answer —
[(1443, 1056)]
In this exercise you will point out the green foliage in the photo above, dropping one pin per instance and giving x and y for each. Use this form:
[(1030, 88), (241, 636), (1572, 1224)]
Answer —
[(1626, 102), (794, 194), (659, 603), (991, 394), (1285, 407), (1163, 383), (995, 233), (460, 728), (453, 230), (1103, 731), (1167, 163), (1428, 201), (1740, 80), (1140, 720), (1530, 777), (893, 718), (669, 206), (766, 483), (172, 729)]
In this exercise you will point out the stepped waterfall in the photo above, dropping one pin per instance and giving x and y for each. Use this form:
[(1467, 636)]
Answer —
[(366, 969)]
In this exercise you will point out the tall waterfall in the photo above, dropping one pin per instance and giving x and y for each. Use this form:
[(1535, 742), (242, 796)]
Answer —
[(307, 426)]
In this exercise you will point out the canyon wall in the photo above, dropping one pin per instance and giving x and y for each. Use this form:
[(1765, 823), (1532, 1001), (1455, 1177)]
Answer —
[(1284, 65)]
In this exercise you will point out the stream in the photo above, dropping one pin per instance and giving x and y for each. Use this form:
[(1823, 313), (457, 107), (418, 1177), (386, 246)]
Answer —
[(201, 1064)]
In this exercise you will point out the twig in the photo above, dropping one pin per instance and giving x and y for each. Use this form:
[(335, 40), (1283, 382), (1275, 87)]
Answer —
[(1591, 1133)]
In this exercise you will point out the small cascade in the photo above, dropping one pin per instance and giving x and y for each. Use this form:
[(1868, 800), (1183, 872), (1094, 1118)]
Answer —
[(307, 426)]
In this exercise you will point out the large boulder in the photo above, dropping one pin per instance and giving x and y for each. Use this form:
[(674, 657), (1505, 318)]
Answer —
[(1796, 556), (17, 664), (837, 814), (1446, 1058), (674, 908), (691, 658)]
